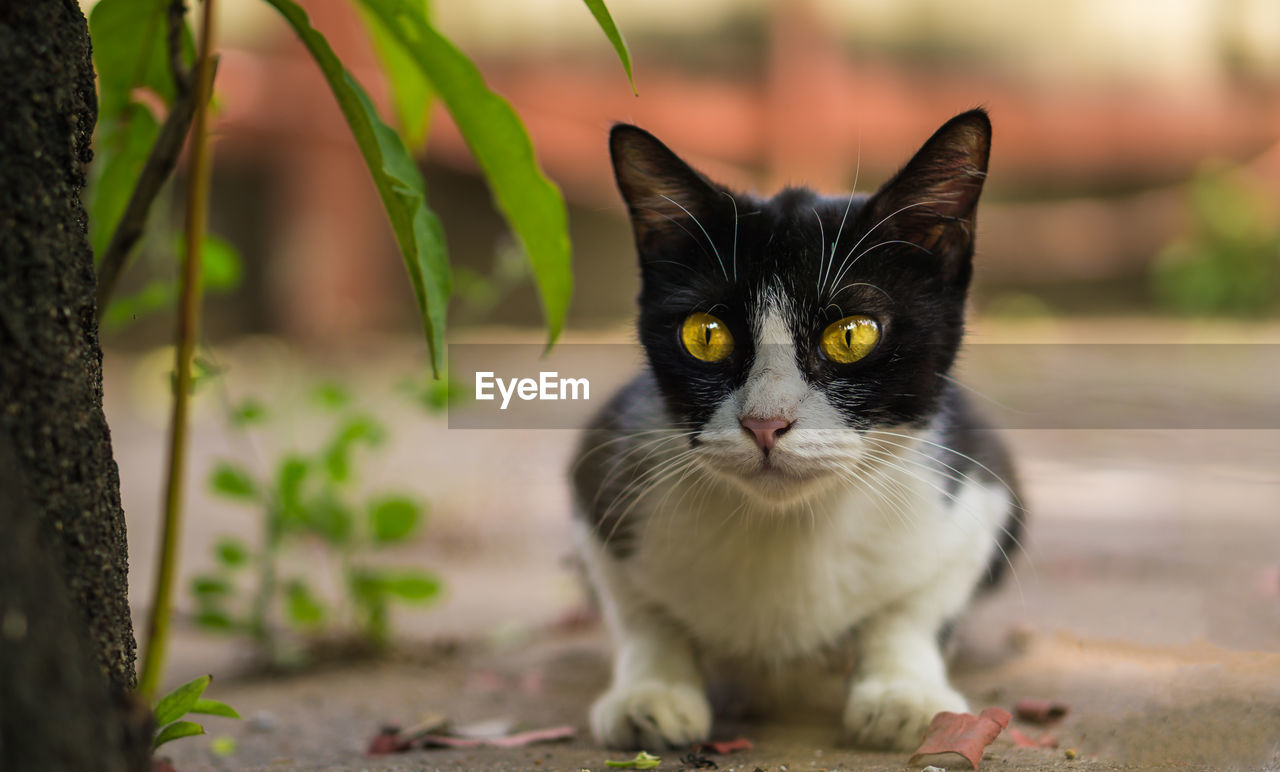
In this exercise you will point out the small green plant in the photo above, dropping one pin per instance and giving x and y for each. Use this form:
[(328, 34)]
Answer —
[(1229, 263), (310, 502), (182, 701), (146, 57)]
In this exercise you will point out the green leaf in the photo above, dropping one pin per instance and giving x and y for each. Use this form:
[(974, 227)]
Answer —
[(411, 586), (178, 702), (528, 200), (368, 591), (222, 267), (290, 476), (249, 412), (157, 294), (643, 760), (130, 52), (305, 610), (223, 745), (210, 585), (411, 93), (357, 429), (231, 552), (203, 371), (222, 272), (399, 182), (331, 396), (598, 10), (121, 147), (214, 708), (214, 619), (393, 518), (175, 731), (233, 482), (330, 519)]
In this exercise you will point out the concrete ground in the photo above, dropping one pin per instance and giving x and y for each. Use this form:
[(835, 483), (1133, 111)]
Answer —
[(1148, 598)]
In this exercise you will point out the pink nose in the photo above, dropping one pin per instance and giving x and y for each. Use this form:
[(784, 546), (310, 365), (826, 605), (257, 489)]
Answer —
[(765, 431)]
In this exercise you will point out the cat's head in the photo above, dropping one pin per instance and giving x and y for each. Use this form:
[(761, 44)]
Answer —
[(786, 332)]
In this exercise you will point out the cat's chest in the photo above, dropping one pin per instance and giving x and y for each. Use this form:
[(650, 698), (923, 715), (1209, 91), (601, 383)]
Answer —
[(778, 590)]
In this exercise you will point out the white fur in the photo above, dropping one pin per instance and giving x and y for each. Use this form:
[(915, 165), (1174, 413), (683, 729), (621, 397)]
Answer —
[(774, 561)]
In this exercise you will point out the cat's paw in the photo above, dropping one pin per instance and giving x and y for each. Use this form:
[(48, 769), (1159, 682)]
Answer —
[(894, 714), (651, 715)]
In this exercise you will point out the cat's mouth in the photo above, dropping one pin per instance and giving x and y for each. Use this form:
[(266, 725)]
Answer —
[(773, 477)]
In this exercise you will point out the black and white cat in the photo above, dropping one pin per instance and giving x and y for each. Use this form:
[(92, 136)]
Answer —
[(795, 466)]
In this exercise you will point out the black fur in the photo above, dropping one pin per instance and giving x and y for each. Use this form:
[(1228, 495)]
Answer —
[(704, 248), (902, 255)]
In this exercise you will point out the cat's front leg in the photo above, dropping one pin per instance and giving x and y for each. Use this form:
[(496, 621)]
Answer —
[(901, 683), (656, 699)]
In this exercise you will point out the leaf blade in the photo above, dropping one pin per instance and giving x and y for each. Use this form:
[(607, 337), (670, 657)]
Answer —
[(178, 702), (605, 20), (417, 229), (233, 482), (393, 518), (214, 708), (529, 202), (176, 731), (411, 93)]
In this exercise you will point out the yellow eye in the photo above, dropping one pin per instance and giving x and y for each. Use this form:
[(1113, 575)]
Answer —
[(706, 337), (850, 339)]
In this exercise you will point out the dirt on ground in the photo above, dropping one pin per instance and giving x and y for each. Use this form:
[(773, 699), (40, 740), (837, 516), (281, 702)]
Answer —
[(1147, 595), (1132, 707)]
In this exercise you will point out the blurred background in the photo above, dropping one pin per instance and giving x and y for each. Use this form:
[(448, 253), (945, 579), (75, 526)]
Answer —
[(1133, 197)]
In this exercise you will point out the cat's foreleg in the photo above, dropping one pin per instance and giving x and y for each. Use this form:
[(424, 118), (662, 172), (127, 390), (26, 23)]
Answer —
[(902, 677), (657, 697)]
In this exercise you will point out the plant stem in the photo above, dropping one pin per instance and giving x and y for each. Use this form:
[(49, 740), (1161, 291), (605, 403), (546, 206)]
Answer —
[(188, 319), (159, 165), (259, 626)]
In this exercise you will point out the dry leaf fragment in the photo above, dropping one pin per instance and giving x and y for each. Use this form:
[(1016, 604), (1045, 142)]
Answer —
[(387, 740), (726, 746), (1040, 711), (961, 734), (551, 734), (1022, 740), (643, 760)]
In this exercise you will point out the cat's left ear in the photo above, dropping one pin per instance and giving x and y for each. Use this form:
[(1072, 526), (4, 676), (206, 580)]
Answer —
[(662, 192), (933, 200)]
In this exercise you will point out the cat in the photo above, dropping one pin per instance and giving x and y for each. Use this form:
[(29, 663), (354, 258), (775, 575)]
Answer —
[(794, 466)]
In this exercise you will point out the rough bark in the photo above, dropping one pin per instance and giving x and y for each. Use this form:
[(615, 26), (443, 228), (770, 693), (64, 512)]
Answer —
[(50, 361), (57, 712)]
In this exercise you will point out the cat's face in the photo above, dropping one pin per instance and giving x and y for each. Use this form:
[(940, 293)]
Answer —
[(787, 334)]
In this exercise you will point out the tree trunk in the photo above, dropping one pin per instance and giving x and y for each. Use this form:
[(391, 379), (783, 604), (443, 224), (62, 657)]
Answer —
[(60, 474)]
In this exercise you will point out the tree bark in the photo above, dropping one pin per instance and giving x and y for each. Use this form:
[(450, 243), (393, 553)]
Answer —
[(51, 371), (57, 711)]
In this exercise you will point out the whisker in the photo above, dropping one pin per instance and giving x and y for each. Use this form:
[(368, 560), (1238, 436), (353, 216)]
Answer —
[(822, 245), (704, 233), (846, 268), (856, 171), (734, 201)]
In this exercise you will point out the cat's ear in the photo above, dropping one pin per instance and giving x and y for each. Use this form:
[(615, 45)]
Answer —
[(662, 192), (933, 200)]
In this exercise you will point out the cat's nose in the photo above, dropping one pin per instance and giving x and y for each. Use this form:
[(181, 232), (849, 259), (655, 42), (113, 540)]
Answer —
[(765, 431)]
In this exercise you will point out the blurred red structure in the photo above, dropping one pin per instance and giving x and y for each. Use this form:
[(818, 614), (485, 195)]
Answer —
[(813, 113)]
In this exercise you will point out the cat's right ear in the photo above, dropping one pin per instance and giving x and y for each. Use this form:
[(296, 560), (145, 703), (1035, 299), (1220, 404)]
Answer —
[(662, 192)]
